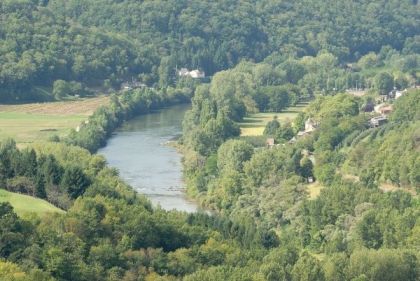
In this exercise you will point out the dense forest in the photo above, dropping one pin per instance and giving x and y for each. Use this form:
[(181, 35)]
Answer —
[(99, 44), (263, 220)]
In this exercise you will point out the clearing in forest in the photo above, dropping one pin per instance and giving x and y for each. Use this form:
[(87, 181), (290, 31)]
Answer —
[(314, 189), (254, 124), (24, 204), (27, 123), (387, 187)]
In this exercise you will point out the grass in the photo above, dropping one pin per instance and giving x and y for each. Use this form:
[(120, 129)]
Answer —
[(24, 204), (27, 123), (314, 189), (254, 124), (387, 187)]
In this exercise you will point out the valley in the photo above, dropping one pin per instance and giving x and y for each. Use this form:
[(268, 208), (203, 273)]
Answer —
[(196, 140)]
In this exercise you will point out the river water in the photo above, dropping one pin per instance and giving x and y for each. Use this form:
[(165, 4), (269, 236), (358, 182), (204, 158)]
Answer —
[(139, 150)]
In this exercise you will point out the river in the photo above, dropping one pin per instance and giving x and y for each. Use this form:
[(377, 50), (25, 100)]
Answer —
[(139, 150)]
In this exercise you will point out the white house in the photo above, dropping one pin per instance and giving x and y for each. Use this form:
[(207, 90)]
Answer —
[(196, 73)]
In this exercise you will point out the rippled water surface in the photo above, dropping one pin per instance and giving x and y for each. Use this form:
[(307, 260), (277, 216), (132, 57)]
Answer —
[(140, 152)]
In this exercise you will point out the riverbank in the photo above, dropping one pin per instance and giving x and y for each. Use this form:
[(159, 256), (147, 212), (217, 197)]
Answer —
[(93, 133), (147, 157)]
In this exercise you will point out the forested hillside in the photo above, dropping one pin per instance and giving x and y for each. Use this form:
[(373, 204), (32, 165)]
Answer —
[(38, 47), (103, 43), (216, 34), (348, 230)]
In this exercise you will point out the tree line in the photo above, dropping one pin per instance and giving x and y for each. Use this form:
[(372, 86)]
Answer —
[(93, 133)]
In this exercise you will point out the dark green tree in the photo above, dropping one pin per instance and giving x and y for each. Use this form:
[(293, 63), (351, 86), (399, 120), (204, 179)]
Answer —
[(74, 181)]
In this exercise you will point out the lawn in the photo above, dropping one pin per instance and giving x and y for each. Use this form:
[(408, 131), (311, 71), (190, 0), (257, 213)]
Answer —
[(24, 204), (27, 123), (254, 124)]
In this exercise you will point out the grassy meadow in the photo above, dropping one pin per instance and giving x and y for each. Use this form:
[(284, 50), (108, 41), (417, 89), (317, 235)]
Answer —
[(27, 123), (254, 124), (24, 204)]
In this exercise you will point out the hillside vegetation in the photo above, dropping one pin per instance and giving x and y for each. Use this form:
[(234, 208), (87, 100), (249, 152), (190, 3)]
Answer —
[(24, 204), (339, 223), (66, 46)]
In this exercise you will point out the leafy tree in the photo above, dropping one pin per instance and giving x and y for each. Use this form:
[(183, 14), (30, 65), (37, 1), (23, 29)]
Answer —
[(307, 268), (306, 167), (14, 233), (272, 127), (232, 154), (384, 82), (61, 89)]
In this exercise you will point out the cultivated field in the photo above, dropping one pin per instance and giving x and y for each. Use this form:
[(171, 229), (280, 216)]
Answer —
[(24, 204), (27, 123), (81, 107), (254, 124)]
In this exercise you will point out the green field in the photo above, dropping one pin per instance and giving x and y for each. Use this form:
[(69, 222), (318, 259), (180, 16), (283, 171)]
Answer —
[(24, 204), (27, 123), (27, 127), (254, 124)]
